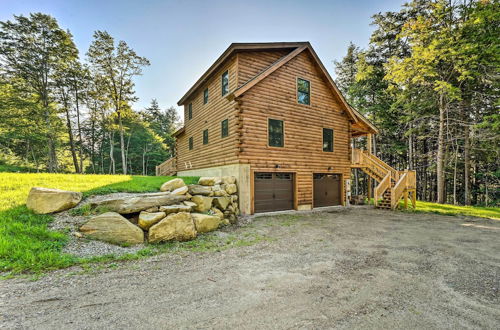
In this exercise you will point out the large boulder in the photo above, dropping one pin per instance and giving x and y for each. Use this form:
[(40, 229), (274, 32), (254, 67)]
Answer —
[(228, 179), (175, 208), (222, 202), (196, 189), (44, 200), (176, 226), (218, 213), (208, 181), (231, 188), (113, 228), (172, 184), (147, 219), (205, 223), (127, 205), (180, 191), (203, 203)]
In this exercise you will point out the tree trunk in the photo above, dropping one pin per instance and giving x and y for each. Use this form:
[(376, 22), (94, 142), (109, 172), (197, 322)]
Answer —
[(112, 165), (71, 141), (440, 153), (79, 127), (467, 198), (122, 144)]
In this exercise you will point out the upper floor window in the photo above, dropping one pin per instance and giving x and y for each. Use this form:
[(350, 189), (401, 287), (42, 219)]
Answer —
[(224, 127), (303, 91), (225, 83), (205, 96), (275, 132), (191, 143), (190, 111), (205, 136), (328, 139)]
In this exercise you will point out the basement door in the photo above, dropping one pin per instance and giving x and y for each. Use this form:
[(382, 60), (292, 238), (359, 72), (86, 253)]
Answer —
[(327, 189), (273, 192)]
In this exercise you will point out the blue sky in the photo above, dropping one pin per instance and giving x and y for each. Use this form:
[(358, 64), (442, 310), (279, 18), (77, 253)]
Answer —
[(183, 38)]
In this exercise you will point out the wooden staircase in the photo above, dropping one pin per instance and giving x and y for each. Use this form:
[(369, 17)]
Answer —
[(392, 184)]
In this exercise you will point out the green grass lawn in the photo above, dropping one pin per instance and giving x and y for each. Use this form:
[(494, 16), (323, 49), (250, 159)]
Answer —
[(447, 209), (26, 244)]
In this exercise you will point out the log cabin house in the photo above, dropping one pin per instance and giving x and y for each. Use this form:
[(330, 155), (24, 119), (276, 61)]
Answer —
[(271, 115)]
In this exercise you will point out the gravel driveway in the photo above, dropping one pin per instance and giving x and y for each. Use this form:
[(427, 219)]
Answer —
[(349, 268)]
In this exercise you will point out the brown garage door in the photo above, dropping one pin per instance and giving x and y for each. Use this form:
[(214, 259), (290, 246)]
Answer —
[(327, 190), (273, 192)]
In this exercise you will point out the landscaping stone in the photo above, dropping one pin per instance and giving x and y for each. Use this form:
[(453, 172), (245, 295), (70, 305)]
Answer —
[(172, 184), (215, 211), (192, 205), (44, 200), (113, 228), (208, 181), (205, 223), (176, 226), (228, 179), (221, 202), (203, 203), (196, 189), (231, 188), (139, 203), (152, 209), (147, 219), (175, 208), (180, 191)]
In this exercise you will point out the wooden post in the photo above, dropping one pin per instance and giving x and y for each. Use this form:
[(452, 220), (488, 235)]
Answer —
[(414, 199), (405, 194), (369, 190), (369, 145)]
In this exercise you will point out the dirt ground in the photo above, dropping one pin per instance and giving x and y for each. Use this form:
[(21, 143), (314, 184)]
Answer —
[(349, 268)]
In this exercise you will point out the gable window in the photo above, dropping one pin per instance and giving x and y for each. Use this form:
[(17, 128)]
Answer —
[(191, 143), (225, 83), (190, 111), (224, 128), (303, 91), (328, 139), (205, 136), (205, 96), (275, 131)]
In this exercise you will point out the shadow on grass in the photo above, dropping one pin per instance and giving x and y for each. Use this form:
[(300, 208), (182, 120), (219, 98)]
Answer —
[(28, 246)]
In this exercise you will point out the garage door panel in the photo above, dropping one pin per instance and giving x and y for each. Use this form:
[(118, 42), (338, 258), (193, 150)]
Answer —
[(273, 191), (327, 189)]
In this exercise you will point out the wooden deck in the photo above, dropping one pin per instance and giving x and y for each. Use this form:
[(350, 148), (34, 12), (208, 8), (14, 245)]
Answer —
[(168, 167), (392, 184)]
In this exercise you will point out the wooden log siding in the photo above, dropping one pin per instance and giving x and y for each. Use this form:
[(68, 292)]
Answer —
[(219, 151), (251, 64), (275, 97)]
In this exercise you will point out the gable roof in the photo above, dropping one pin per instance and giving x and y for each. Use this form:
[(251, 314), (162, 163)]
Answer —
[(295, 48), (234, 48)]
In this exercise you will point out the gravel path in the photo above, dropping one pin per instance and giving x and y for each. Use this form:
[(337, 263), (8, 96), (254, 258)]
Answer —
[(353, 268)]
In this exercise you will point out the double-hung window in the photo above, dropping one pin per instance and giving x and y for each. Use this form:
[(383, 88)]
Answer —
[(328, 139), (225, 83)]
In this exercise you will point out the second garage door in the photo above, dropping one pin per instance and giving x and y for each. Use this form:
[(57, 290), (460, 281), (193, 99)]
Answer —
[(273, 192), (327, 190)]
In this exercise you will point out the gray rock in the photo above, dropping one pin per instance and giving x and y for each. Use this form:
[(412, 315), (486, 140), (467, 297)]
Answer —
[(139, 203), (44, 200), (113, 228)]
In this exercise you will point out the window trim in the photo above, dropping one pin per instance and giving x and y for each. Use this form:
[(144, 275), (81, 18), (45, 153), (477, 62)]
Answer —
[(190, 143), (190, 111), (323, 139), (205, 98), (283, 142), (297, 91), (205, 134), (226, 73), (222, 128)]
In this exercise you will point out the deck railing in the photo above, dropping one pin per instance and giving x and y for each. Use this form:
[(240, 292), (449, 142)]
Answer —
[(168, 167)]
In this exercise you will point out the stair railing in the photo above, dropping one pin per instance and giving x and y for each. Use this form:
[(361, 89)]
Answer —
[(398, 190), (168, 167), (381, 188)]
